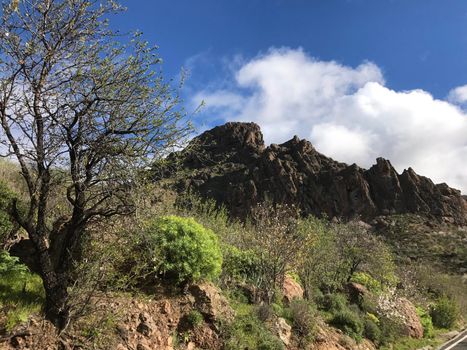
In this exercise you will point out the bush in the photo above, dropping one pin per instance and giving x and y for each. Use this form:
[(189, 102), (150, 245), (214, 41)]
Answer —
[(184, 250), (444, 313), (391, 330), (369, 304), (349, 322), (276, 238), (194, 318), (372, 330), (366, 280), (333, 302), (264, 312), (426, 322), (239, 265), (303, 318), (247, 332)]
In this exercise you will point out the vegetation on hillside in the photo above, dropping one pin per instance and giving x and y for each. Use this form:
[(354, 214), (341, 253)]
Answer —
[(91, 114), (185, 239)]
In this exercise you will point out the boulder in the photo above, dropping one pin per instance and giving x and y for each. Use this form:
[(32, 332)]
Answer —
[(282, 329), (410, 320), (210, 302), (291, 290), (403, 310)]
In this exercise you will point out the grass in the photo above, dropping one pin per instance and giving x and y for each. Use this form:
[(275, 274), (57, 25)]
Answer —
[(21, 292), (411, 343), (246, 331)]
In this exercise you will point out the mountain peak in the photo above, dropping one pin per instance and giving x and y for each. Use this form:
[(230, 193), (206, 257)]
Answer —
[(241, 172)]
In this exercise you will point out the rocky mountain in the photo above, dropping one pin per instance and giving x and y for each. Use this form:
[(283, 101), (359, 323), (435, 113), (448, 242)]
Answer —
[(231, 164)]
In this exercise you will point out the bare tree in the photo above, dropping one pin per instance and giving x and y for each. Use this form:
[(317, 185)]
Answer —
[(82, 108), (277, 241)]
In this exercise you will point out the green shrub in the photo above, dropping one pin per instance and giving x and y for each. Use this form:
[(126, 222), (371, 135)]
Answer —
[(349, 322), (247, 332), (21, 292), (184, 250), (372, 317), (426, 322), (372, 330), (295, 277), (239, 265), (239, 295), (444, 313), (391, 330), (369, 304), (333, 302), (277, 309), (194, 318), (366, 280)]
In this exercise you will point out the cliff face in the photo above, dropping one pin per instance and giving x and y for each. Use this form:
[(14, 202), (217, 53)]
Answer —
[(231, 164)]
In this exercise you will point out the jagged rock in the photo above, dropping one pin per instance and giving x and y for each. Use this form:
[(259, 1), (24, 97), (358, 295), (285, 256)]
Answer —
[(205, 337), (231, 164), (291, 290), (282, 329), (211, 303), (145, 327), (122, 332)]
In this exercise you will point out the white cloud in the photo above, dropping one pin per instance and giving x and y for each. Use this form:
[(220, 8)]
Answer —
[(348, 113), (458, 95)]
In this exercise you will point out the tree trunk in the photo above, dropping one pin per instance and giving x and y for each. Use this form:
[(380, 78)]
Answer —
[(56, 305), (55, 283)]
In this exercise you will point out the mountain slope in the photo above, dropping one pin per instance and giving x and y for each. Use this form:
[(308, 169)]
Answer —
[(231, 164)]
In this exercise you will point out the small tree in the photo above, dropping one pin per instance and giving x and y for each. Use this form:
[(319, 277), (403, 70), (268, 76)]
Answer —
[(338, 251), (78, 110), (319, 266), (361, 250), (277, 242)]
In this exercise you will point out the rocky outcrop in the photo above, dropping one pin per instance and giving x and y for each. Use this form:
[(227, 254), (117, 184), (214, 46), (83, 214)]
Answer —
[(328, 338), (211, 303), (282, 330), (231, 164), (291, 290)]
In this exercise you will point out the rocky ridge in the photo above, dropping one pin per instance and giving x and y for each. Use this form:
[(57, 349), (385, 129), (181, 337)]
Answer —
[(231, 164)]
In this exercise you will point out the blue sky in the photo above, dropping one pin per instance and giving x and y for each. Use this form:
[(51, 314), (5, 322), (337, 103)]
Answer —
[(358, 78), (417, 43)]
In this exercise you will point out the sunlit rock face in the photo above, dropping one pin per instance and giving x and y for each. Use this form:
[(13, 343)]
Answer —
[(231, 164)]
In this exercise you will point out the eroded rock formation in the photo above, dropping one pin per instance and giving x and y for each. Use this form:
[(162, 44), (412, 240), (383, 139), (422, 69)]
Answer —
[(231, 164)]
